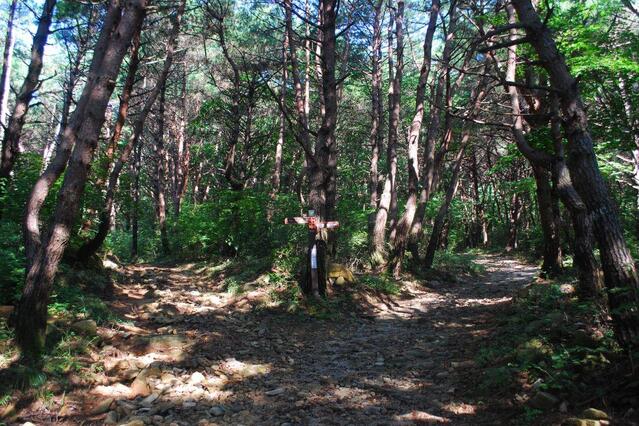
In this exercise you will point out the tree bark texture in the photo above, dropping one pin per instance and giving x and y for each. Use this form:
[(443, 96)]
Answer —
[(31, 312), (405, 223), (620, 275)]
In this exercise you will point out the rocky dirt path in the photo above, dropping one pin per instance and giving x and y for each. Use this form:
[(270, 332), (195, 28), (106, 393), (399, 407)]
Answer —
[(197, 355)]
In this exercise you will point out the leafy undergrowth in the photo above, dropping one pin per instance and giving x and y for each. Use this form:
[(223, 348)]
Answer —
[(558, 356), (280, 286), (456, 264)]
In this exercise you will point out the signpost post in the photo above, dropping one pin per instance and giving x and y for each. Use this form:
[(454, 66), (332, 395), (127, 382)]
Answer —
[(315, 227)]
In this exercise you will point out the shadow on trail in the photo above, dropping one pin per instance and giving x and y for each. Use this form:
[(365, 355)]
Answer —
[(412, 361)]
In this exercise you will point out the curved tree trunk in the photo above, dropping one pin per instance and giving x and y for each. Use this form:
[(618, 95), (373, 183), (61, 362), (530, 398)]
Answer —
[(620, 275), (31, 312), (89, 248), (67, 141)]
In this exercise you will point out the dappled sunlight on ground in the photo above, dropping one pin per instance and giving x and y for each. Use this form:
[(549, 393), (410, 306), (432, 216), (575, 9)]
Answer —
[(196, 354)]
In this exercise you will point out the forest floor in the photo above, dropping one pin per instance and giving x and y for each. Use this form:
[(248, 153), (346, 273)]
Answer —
[(192, 353)]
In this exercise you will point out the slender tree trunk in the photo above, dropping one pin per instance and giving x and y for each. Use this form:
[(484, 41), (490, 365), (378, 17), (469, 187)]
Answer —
[(394, 111), (429, 159), (307, 69), (5, 76), (136, 201), (11, 138), (552, 264), (375, 139), (160, 177), (514, 222), (89, 248), (479, 202), (277, 170), (387, 208), (183, 154), (67, 138), (31, 312), (620, 275), (406, 222), (442, 213)]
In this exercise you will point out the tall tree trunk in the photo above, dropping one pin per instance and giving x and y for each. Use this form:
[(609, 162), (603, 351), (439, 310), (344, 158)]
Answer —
[(405, 223), (5, 76), (277, 169), (322, 172), (394, 111), (67, 138), (552, 264), (387, 208), (89, 248), (620, 275), (135, 201), (11, 138), (160, 176), (375, 139), (31, 312), (442, 213), (514, 222), (429, 160), (183, 154)]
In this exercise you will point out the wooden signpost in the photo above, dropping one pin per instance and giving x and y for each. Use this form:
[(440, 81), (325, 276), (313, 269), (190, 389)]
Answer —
[(315, 228)]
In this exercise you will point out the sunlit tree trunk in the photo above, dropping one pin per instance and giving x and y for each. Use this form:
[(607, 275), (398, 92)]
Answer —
[(429, 157), (375, 139), (406, 221), (387, 207)]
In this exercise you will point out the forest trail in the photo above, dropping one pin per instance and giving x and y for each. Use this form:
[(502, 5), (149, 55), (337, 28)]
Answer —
[(226, 359)]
